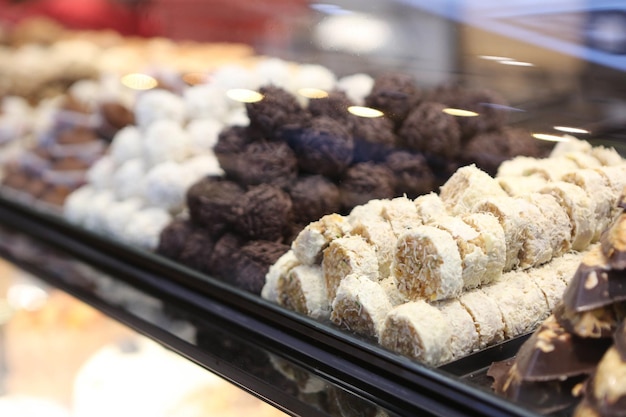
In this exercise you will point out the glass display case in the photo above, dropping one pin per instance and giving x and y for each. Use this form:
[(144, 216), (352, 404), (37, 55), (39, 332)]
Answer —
[(204, 152)]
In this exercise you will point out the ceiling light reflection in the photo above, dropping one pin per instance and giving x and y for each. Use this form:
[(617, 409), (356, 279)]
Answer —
[(568, 129), (459, 112), (495, 58), (26, 297), (550, 138), (138, 81), (362, 111), (517, 63), (313, 93), (244, 95)]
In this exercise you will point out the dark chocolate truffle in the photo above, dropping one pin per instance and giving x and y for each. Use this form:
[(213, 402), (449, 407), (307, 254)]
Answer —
[(172, 239), (253, 262), (363, 182), (211, 202), (197, 250), (395, 94), (277, 108), (429, 130), (264, 163), (374, 138), (413, 176), (313, 197), (334, 105), (263, 213), (323, 146), (230, 143), (76, 135), (225, 256), (113, 117), (55, 195)]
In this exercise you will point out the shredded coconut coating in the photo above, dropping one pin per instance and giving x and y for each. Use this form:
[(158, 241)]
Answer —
[(401, 214), (473, 259), (583, 159), (521, 166), (464, 337), (607, 156), (315, 237), (372, 210), (616, 177), (466, 187), (390, 286), (556, 222), (580, 209), (303, 289), (521, 302), (572, 144), (380, 235), (486, 315), (429, 207), (427, 264), (550, 284), (279, 269), (517, 186), (348, 255), (564, 266), (360, 306), (492, 241), (537, 244), (417, 330)]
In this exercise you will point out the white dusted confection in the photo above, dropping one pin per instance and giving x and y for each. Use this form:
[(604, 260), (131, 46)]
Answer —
[(315, 237), (607, 156), (201, 165), (128, 179), (203, 133), (360, 306), (564, 266), (583, 159), (417, 330), (390, 286), (507, 211), (77, 205), (166, 184), (99, 205), (126, 144), (517, 186), (372, 210), (580, 209), (427, 264), (486, 315), (158, 104), (237, 117), (519, 166), (86, 92), (276, 271), (491, 239), (571, 144), (166, 140), (100, 174), (555, 221), (616, 177), (234, 76), (521, 302), (117, 217), (598, 189), (313, 76), (303, 289), (380, 235), (145, 226), (464, 338), (550, 284), (473, 259), (348, 255), (273, 71), (537, 234), (16, 405), (429, 207), (467, 187), (401, 214), (356, 86), (206, 101)]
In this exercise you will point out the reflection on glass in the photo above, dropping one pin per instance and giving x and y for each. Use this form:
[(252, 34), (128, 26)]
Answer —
[(362, 111), (568, 129), (516, 63), (550, 138), (139, 81), (459, 112), (244, 95), (26, 296), (312, 93)]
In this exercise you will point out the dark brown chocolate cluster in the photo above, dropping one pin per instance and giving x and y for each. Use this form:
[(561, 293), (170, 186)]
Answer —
[(576, 361)]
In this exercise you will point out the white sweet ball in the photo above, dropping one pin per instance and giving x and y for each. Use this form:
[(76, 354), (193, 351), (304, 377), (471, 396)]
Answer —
[(119, 214), (145, 227), (313, 76), (100, 174), (166, 140), (206, 101), (238, 117), (204, 133), (202, 165), (356, 86), (165, 186), (25, 406), (274, 71), (99, 205), (128, 179), (234, 76), (78, 203), (126, 144), (158, 104)]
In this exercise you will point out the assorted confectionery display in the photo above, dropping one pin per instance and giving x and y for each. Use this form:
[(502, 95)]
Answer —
[(575, 360), (440, 276)]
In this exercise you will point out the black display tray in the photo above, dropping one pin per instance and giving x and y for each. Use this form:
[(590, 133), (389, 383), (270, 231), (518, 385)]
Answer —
[(359, 369)]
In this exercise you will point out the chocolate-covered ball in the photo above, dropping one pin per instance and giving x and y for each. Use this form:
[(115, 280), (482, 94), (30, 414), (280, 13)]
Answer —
[(277, 108), (374, 138), (230, 143), (211, 203), (253, 262), (323, 146), (413, 176), (197, 250), (75, 135), (113, 117), (429, 130), (173, 238), (272, 163), (363, 182), (225, 256), (263, 213), (313, 196), (334, 105), (395, 94)]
